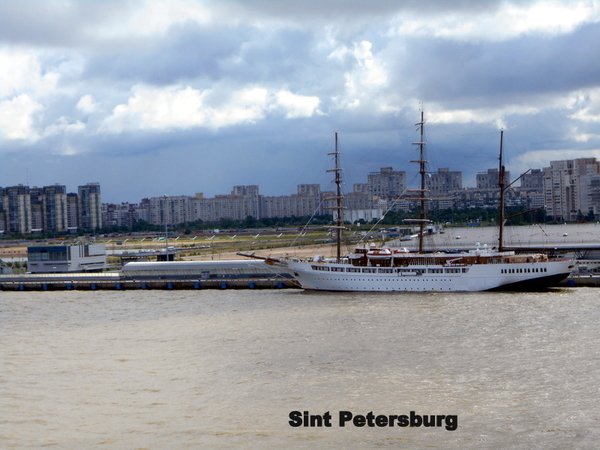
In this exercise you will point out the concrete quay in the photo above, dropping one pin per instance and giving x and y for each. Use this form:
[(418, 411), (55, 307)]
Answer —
[(581, 281), (124, 285), (207, 276)]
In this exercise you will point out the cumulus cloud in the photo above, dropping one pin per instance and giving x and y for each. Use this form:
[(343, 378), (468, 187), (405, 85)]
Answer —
[(588, 107), (507, 22), (20, 72), (154, 17), (63, 126), (177, 107), (297, 106), (158, 109), (17, 118), (365, 76), (86, 104)]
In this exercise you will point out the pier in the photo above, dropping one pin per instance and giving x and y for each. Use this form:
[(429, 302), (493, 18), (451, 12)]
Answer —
[(164, 275), (89, 282)]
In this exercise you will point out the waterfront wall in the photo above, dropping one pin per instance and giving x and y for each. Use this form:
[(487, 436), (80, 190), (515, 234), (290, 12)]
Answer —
[(16, 285)]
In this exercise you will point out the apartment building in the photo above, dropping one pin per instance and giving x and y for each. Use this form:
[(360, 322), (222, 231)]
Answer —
[(48, 209), (387, 183), (169, 210), (567, 187), (491, 178), (594, 195), (15, 210), (534, 179), (54, 208), (72, 211), (306, 202), (442, 182), (122, 215), (89, 207)]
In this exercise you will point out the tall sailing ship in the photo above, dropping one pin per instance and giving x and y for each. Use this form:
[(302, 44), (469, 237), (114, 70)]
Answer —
[(377, 268)]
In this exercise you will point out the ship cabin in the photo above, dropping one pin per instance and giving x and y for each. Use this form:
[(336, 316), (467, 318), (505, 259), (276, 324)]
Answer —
[(385, 257)]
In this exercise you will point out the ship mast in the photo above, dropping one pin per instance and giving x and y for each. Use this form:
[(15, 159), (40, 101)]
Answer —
[(501, 185), (422, 220), (339, 225), (502, 218)]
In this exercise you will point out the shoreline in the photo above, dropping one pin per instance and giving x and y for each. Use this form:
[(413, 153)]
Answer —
[(551, 236)]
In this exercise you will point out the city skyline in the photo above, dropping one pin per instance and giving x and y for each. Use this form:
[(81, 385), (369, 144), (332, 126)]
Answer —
[(567, 190), (348, 190), (154, 98)]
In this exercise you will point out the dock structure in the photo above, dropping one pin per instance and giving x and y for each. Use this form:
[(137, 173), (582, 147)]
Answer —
[(230, 278), (240, 274), (20, 285), (252, 273), (576, 280)]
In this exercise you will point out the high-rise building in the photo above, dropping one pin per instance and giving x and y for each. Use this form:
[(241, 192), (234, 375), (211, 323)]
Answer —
[(441, 183), (16, 204), (566, 187), (387, 183), (122, 215), (490, 179), (594, 196), (305, 203), (36, 202), (534, 179), (49, 209), (72, 211), (249, 194), (169, 210), (89, 207), (55, 208)]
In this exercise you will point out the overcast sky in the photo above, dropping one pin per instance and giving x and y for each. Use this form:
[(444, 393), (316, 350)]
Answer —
[(151, 97)]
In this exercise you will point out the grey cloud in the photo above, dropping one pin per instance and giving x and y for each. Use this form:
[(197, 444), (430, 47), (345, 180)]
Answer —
[(45, 23), (197, 54), (71, 23), (485, 74), (359, 10), (186, 52), (275, 56)]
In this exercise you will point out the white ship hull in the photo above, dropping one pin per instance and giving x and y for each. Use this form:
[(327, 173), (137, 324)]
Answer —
[(476, 277)]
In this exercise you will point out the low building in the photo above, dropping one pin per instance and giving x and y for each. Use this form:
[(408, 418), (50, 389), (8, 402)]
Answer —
[(66, 258)]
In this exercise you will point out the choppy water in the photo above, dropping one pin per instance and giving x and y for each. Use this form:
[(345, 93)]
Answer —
[(223, 369)]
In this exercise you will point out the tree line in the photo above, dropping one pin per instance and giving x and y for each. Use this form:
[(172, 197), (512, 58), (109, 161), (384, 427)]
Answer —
[(455, 217)]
